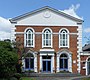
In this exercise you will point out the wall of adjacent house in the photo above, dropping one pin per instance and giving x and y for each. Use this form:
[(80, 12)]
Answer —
[(83, 64)]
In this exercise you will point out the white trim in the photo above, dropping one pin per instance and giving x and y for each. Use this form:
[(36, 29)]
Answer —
[(86, 65), (67, 37), (19, 32), (45, 25), (52, 64), (49, 50), (54, 33), (51, 38), (73, 33), (69, 60), (52, 60), (79, 47), (87, 54), (25, 37), (40, 62), (13, 28), (35, 61)]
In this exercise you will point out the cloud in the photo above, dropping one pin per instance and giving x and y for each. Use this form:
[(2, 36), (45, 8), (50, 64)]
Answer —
[(5, 28), (72, 10), (87, 30)]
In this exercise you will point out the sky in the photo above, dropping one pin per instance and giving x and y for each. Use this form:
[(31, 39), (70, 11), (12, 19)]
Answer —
[(12, 8)]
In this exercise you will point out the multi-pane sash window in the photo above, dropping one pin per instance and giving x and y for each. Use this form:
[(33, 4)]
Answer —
[(47, 38), (64, 38), (63, 62), (29, 38), (29, 63)]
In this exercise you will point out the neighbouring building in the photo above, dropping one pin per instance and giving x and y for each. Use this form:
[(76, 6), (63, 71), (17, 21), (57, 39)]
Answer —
[(85, 60), (52, 40)]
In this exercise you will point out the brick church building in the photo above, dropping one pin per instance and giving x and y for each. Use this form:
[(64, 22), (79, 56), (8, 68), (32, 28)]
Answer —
[(52, 40)]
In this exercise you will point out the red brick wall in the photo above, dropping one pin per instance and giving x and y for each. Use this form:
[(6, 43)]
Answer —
[(83, 59), (38, 40)]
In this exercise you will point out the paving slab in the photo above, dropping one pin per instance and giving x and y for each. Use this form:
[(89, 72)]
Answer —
[(60, 78)]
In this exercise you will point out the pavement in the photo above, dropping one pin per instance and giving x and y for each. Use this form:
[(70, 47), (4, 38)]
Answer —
[(60, 78)]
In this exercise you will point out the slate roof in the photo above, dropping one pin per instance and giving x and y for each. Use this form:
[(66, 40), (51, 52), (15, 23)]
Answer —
[(86, 47), (43, 8)]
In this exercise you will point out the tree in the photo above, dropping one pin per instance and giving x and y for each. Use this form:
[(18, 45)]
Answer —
[(8, 59)]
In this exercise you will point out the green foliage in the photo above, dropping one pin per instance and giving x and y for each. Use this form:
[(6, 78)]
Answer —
[(85, 78), (27, 78), (18, 67), (17, 75), (13, 78), (3, 79), (8, 59)]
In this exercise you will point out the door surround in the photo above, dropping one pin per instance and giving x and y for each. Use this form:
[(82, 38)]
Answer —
[(47, 52), (69, 54)]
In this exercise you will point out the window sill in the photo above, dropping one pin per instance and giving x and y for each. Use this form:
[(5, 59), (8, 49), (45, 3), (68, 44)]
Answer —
[(30, 46), (46, 46), (64, 47)]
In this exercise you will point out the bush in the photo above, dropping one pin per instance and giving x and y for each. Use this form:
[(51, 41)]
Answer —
[(17, 75), (13, 78), (18, 67), (8, 60), (3, 79)]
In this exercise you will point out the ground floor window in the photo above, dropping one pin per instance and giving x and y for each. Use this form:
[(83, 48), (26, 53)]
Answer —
[(29, 63), (63, 62)]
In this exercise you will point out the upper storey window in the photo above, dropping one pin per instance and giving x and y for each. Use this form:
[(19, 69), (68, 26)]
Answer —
[(29, 38), (47, 38), (64, 38)]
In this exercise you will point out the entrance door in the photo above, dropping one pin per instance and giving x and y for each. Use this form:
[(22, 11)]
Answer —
[(46, 64)]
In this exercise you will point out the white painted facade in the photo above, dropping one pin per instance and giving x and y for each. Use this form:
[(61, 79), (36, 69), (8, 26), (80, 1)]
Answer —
[(54, 19)]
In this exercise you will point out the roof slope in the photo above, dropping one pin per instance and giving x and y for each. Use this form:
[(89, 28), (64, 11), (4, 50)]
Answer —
[(43, 8), (86, 47)]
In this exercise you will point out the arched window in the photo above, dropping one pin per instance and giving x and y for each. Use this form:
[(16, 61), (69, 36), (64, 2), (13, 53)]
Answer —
[(63, 62), (29, 38), (29, 61), (64, 38), (47, 38)]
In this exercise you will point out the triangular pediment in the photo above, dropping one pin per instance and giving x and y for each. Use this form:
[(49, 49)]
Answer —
[(46, 15)]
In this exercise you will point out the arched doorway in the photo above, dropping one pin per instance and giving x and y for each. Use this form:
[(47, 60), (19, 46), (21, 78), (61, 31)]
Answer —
[(88, 66), (63, 63), (64, 60)]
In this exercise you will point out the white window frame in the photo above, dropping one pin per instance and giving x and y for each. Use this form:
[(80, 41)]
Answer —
[(30, 63), (60, 46), (26, 39), (43, 38)]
